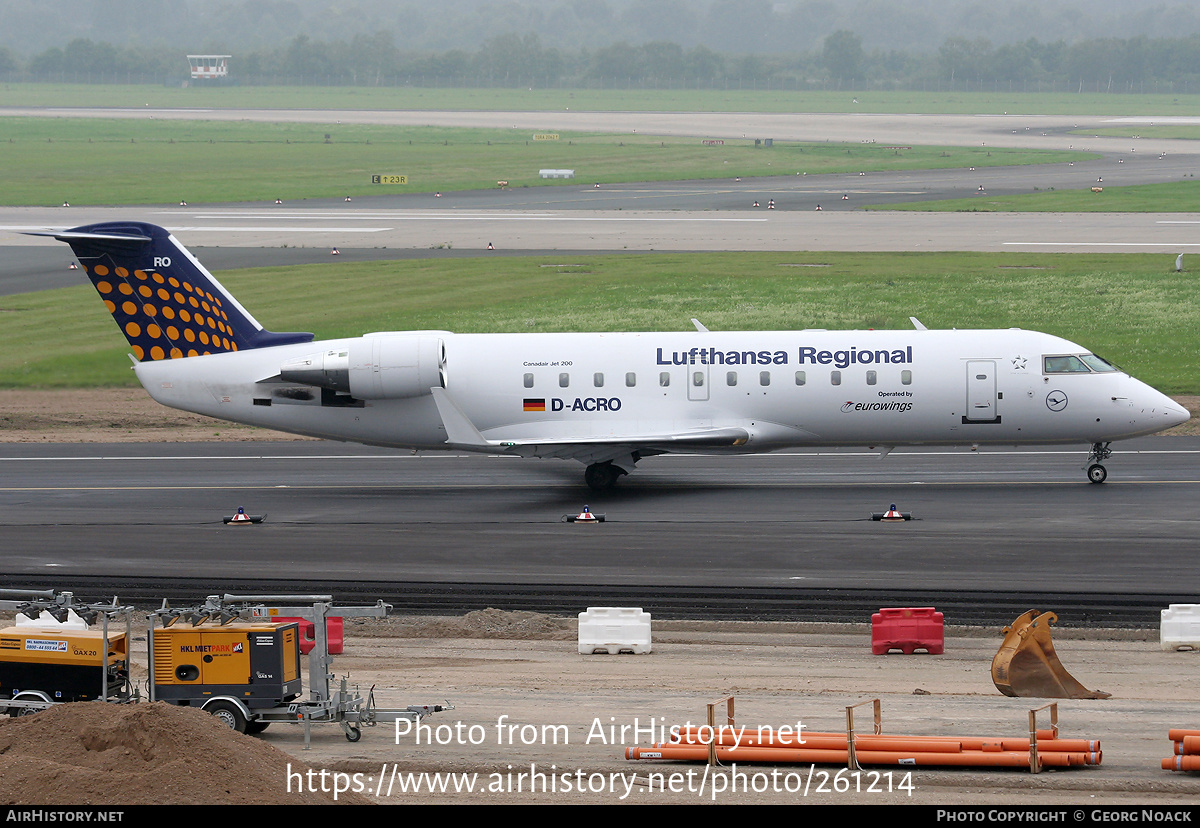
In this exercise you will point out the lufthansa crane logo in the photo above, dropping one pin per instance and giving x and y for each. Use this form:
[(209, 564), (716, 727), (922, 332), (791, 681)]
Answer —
[(1056, 401)]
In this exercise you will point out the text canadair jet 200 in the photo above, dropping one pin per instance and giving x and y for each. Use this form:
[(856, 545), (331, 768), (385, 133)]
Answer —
[(604, 399)]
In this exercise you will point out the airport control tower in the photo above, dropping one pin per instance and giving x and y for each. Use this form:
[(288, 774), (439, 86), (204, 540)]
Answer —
[(209, 69)]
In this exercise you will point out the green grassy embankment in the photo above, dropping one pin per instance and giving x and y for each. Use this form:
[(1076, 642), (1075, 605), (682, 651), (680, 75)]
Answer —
[(1131, 308)]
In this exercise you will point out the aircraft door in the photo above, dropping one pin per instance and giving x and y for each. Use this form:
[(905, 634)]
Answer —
[(981, 392), (697, 382)]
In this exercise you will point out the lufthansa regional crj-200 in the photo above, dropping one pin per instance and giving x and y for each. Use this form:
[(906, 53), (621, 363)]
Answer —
[(605, 399)]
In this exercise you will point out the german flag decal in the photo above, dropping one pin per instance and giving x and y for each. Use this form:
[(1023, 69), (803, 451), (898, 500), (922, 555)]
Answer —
[(535, 405)]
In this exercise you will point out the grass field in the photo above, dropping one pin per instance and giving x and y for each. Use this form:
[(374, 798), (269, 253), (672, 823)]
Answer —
[(1187, 132), (1177, 197), (101, 161), (536, 99), (1132, 309)]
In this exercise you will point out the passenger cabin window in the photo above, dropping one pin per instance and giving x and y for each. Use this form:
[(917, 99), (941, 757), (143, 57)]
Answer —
[(598, 380), (564, 380), (1064, 365), (764, 378), (835, 377), (801, 378), (731, 378), (529, 380), (664, 379), (698, 379), (630, 380), (906, 377), (872, 377)]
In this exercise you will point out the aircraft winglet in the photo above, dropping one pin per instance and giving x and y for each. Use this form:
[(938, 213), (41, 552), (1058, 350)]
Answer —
[(460, 431)]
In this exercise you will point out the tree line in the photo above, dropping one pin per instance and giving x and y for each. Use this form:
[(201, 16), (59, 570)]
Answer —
[(1134, 64)]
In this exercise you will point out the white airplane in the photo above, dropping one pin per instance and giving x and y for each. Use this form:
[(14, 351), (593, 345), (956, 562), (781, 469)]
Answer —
[(604, 399)]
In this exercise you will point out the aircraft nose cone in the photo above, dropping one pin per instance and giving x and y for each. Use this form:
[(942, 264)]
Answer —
[(1177, 415)]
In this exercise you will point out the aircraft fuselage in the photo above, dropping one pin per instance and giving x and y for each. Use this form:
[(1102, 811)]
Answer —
[(799, 388)]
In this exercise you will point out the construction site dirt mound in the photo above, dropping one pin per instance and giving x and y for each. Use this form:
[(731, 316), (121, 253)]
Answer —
[(93, 753)]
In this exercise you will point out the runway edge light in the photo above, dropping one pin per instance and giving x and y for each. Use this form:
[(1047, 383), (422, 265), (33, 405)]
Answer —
[(586, 516), (241, 517), (892, 515)]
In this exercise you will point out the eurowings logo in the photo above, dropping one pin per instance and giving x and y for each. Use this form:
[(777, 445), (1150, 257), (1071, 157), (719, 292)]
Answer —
[(898, 407)]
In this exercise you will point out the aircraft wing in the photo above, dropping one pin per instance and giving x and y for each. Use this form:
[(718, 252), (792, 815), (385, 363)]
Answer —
[(461, 433)]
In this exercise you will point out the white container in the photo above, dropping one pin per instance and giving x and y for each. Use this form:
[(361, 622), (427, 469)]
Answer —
[(614, 630), (556, 173), (1180, 627)]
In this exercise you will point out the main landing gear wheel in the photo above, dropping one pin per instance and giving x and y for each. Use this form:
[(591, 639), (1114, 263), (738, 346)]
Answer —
[(601, 477), (1100, 452)]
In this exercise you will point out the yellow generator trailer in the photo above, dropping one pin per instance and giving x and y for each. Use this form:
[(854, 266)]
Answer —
[(225, 656), (43, 665), (234, 671)]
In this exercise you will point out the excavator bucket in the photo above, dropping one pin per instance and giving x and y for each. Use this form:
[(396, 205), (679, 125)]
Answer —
[(1027, 666)]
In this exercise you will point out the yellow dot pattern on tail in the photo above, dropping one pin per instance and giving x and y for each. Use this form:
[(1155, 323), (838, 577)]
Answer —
[(163, 300), (196, 322)]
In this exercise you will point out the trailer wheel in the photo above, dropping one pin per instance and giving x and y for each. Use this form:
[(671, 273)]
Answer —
[(17, 712), (229, 713), (353, 734), (254, 728)]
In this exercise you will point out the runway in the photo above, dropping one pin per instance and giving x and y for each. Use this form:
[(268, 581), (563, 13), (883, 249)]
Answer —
[(261, 235), (673, 216), (785, 535), (777, 536)]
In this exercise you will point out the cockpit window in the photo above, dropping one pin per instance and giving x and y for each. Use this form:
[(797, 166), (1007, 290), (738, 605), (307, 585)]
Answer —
[(1063, 365), (1097, 364)]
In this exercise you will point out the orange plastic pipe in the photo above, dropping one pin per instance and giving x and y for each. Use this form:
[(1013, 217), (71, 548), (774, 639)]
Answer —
[(829, 741), (1181, 763), (698, 753), (969, 743), (837, 741)]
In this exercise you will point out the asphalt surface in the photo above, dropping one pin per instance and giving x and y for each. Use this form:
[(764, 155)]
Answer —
[(785, 536), (776, 536), (683, 216)]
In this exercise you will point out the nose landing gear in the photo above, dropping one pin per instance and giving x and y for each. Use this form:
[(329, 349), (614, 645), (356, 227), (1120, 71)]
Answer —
[(1095, 471)]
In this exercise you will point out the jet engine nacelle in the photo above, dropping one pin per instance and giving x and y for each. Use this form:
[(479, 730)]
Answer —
[(378, 367)]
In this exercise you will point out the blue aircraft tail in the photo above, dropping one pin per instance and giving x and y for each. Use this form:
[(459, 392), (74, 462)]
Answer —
[(165, 302)]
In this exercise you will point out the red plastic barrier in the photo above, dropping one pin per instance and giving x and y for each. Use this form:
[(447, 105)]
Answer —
[(908, 629), (334, 628)]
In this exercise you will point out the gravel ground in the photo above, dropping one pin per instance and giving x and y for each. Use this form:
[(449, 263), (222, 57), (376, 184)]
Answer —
[(528, 706)]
